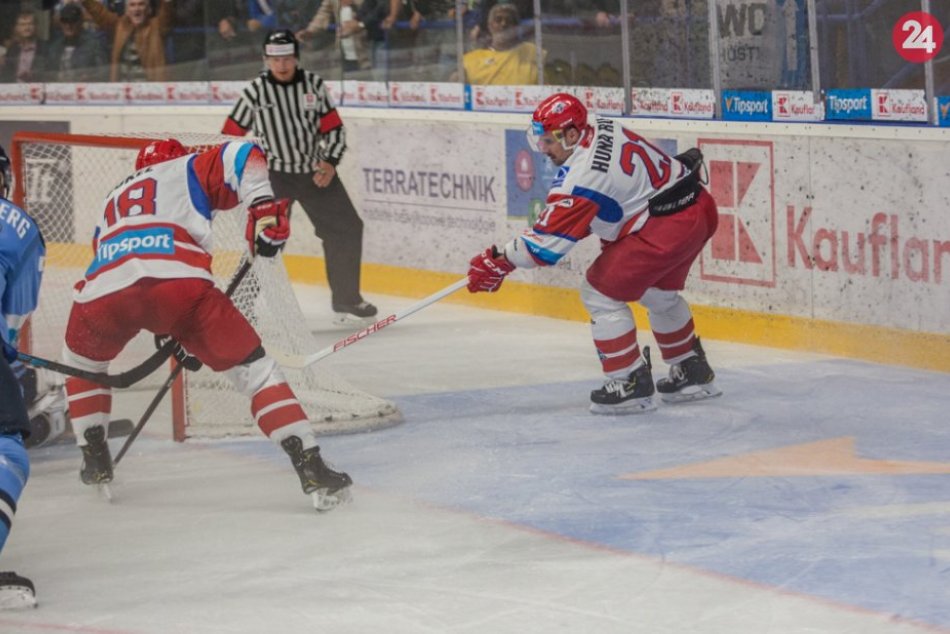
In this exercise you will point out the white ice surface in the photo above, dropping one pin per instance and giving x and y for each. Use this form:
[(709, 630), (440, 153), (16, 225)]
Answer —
[(447, 532)]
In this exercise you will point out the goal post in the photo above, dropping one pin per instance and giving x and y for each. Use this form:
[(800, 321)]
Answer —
[(62, 179)]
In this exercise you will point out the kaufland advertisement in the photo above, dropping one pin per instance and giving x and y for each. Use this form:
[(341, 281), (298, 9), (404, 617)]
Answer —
[(848, 230)]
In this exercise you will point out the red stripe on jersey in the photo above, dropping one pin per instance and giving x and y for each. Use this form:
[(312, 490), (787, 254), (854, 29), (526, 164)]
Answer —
[(281, 417), (612, 364), (95, 404), (232, 127), (270, 395), (610, 346), (568, 216), (209, 168), (330, 121)]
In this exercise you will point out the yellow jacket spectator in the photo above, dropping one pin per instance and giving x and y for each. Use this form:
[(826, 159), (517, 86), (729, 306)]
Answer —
[(138, 38), (506, 60)]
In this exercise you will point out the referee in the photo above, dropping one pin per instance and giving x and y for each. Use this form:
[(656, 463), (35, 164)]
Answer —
[(289, 111)]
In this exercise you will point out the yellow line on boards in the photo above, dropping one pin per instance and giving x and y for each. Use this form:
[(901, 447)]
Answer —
[(928, 351)]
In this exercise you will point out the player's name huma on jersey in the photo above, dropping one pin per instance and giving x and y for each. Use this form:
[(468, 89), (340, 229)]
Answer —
[(604, 147), (11, 215), (158, 240), (429, 184)]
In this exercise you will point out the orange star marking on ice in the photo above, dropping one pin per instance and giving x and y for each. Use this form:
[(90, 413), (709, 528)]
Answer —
[(825, 457)]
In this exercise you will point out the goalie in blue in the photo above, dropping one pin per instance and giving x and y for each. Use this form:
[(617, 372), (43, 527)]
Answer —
[(21, 269)]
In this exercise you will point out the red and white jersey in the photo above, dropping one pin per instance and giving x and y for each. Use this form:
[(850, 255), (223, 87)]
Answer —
[(157, 222), (602, 188)]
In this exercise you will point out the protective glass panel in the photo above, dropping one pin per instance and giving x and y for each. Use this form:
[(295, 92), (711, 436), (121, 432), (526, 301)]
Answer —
[(669, 44), (582, 42)]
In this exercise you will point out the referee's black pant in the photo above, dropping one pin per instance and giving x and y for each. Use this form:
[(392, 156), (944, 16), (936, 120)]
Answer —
[(336, 223)]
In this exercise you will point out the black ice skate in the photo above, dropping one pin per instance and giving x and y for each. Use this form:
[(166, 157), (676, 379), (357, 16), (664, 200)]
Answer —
[(689, 380), (328, 488), (633, 395), (16, 592), (361, 313), (96, 459)]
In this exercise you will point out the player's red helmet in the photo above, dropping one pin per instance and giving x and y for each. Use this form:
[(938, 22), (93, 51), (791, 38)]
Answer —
[(556, 114), (159, 152)]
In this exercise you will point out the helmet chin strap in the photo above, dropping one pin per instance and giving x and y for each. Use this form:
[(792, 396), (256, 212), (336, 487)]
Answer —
[(570, 148)]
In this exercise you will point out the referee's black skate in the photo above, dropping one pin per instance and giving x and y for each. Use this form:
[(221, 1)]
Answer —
[(691, 379), (16, 592), (633, 395), (327, 487), (362, 312), (96, 459)]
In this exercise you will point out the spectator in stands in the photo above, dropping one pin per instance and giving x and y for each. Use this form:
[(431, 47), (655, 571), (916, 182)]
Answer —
[(74, 54), (274, 14), (25, 60), (188, 51), (138, 38), (351, 34), (507, 60), (480, 34)]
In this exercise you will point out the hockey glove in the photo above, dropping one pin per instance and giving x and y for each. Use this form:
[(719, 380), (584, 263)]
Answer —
[(487, 271), (268, 227), (47, 408), (190, 362)]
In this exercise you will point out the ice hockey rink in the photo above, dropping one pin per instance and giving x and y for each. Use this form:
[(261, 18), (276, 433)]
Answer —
[(812, 497)]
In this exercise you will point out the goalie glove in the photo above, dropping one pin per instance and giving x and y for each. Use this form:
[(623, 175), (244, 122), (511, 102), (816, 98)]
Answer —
[(191, 363), (44, 392), (487, 271), (268, 227)]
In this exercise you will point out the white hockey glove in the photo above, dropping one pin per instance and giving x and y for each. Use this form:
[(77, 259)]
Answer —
[(191, 362), (47, 409)]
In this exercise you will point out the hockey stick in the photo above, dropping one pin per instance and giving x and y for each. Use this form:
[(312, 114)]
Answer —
[(122, 380), (300, 361), (232, 286)]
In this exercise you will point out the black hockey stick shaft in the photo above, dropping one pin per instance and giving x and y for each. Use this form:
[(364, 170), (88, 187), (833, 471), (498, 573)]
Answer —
[(160, 395), (122, 380)]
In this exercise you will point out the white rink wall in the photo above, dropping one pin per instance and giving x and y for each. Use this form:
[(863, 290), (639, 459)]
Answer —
[(829, 222)]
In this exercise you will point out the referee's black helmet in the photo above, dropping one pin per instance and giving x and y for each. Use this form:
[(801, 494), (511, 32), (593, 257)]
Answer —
[(281, 42)]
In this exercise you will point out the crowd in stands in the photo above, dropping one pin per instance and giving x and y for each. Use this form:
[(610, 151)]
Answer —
[(573, 42)]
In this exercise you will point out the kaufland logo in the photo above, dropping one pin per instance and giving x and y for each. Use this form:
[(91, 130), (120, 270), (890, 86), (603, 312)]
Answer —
[(407, 93), (888, 106), (787, 108), (741, 180)]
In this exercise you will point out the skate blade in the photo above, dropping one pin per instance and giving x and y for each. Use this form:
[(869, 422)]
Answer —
[(636, 406), (692, 393), (105, 492), (346, 320), (16, 598), (324, 502)]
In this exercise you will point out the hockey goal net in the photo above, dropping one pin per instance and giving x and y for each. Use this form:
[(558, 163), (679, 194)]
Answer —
[(62, 180)]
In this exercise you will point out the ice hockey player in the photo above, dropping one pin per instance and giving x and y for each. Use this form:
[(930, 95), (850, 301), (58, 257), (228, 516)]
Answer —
[(152, 271), (652, 216), (21, 271)]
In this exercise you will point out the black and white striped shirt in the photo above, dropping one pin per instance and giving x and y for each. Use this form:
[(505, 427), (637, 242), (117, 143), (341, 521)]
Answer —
[(296, 123)]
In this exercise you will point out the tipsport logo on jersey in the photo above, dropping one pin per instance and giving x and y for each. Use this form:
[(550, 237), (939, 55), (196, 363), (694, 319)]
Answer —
[(741, 180), (155, 241)]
